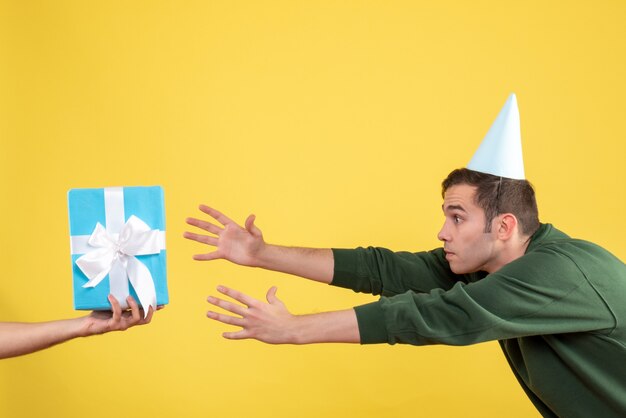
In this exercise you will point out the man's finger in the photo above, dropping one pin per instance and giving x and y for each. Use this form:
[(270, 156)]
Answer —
[(204, 239), (216, 214), (237, 335), (207, 226), (237, 295), (226, 319), (213, 255), (229, 306)]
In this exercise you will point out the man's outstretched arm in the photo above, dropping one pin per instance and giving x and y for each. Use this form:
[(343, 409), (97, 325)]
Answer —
[(18, 338), (272, 323), (245, 246)]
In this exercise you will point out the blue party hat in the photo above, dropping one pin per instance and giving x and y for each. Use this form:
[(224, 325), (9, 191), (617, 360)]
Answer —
[(500, 153)]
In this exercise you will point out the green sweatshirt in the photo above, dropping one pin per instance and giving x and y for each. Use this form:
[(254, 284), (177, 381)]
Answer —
[(559, 313)]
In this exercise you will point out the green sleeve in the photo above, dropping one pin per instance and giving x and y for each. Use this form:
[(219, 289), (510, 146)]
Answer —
[(382, 271), (539, 293)]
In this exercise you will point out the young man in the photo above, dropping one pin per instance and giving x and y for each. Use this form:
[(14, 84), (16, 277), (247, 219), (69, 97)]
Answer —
[(556, 305), (18, 338)]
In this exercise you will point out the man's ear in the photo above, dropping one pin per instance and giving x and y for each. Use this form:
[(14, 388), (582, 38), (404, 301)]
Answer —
[(507, 226)]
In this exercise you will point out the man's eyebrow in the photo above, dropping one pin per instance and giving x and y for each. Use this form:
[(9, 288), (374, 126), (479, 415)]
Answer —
[(453, 207)]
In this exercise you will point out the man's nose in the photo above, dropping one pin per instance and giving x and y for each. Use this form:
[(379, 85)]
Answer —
[(443, 234)]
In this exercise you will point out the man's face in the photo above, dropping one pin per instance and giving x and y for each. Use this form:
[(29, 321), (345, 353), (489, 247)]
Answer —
[(468, 248)]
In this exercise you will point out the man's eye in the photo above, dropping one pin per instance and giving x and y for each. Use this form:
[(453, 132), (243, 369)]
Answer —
[(457, 219)]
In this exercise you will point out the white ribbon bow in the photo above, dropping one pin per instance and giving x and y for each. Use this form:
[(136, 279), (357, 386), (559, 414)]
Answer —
[(115, 252)]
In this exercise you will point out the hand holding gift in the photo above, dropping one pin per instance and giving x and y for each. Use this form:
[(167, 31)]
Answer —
[(100, 322), (117, 238), (18, 338)]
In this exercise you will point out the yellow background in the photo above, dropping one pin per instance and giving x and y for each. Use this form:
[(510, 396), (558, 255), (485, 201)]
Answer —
[(334, 122)]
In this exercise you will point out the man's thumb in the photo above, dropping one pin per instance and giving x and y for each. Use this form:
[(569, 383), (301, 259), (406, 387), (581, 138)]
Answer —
[(271, 295), (251, 227)]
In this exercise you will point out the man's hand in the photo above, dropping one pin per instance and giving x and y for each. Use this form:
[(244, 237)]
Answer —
[(245, 246), (99, 322), (234, 243), (272, 323), (267, 322)]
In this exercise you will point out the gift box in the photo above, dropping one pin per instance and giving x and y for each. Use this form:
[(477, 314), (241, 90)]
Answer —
[(117, 237)]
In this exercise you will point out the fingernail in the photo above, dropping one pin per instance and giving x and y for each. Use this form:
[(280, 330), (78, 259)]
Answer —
[(221, 288)]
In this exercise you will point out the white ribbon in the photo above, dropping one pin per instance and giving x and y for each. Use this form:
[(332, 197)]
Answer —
[(115, 254)]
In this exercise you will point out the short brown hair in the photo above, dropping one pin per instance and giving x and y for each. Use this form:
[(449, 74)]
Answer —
[(497, 195)]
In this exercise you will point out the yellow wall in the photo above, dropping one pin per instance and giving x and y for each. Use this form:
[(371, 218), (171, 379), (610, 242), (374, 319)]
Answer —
[(334, 122)]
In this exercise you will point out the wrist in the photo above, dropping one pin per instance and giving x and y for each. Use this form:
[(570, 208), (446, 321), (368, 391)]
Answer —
[(296, 330), (71, 328), (265, 256), (83, 326)]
